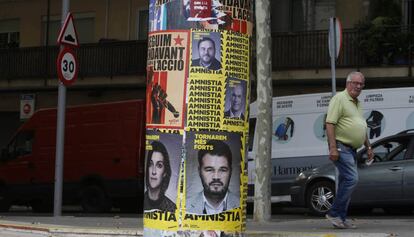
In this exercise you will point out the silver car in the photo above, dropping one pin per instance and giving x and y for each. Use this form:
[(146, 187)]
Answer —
[(388, 182)]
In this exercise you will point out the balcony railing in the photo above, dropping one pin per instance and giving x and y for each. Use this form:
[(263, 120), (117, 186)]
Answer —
[(100, 59), (289, 51), (385, 46)]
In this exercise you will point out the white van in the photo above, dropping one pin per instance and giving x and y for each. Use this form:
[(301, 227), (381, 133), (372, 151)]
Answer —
[(299, 139)]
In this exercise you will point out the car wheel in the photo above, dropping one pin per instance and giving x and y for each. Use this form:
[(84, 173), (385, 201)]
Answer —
[(320, 197), (95, 200)]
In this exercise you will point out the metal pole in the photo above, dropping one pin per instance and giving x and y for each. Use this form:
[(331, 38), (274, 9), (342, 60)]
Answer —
[(60, 134), (47, 43), (410, 62), (47, 23), (333, 55), (262, 203)]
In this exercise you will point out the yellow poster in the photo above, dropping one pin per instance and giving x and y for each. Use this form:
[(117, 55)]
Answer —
[(163, 160), (218, 81), (213, 177)]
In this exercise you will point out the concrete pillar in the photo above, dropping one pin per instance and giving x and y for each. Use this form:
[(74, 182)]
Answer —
[(198, 89)]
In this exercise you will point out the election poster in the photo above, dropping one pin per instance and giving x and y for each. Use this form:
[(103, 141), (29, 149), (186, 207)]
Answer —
[(235, 16), (213, 179), (162, 176), (166, 78), (235, 104), (240, 16), (218, 91), (223, 15)]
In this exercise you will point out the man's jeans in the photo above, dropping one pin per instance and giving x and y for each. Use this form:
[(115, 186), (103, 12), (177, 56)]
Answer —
[(347, 181)]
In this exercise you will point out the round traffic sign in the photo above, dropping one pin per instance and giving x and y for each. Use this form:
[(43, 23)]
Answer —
[(335, 37), (27, 109), (67, 66)]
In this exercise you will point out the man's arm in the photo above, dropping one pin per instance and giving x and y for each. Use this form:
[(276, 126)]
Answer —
[(367, 144), (333, 150)]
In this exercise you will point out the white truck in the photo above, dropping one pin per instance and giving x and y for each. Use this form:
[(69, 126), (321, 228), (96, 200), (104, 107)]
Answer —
[(299, 139)]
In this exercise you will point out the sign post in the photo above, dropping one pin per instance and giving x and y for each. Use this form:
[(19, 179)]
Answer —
[(335, 43), (67, 70)]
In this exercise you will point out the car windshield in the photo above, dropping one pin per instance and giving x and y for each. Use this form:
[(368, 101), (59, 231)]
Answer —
[(389, 150), (20, 145)]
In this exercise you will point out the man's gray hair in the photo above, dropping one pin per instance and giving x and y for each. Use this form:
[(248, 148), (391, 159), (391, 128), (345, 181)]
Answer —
[(352, 74)]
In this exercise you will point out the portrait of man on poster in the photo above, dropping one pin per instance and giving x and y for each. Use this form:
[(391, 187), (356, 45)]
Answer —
[(205, 52), (215, 171), (235, 99)]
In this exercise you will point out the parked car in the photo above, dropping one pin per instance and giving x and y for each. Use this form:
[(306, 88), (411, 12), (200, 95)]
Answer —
[(388, 182)]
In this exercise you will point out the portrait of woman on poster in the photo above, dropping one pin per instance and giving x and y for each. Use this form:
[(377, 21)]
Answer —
[(157, 179)]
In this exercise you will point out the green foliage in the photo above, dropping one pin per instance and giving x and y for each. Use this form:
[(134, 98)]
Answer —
[(390, 9), (382, 40)]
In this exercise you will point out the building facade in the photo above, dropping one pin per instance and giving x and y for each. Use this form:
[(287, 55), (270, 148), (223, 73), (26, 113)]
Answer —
[(112, 35), (112, 55)]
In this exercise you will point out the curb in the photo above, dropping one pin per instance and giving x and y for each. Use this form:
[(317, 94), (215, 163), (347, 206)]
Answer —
[(67, 231), (70, 231), (73, 231), (312, 234)]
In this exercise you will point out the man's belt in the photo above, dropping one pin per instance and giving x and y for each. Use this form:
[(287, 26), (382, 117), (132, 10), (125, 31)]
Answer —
[(347, 146)]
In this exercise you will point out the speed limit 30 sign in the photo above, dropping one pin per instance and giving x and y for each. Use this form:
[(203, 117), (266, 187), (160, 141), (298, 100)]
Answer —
[(67, 66)]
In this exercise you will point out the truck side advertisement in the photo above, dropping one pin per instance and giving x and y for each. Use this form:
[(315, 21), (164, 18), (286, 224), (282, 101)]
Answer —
[(299, 140)]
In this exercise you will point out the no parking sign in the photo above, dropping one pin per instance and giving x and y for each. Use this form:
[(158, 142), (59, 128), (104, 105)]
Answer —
[(27, 105)]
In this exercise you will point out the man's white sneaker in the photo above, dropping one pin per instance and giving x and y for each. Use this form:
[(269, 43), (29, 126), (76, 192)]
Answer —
[(336, 221), (349, 225)]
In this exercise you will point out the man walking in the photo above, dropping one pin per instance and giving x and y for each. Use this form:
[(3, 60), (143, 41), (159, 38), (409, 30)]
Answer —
[(347, 131)]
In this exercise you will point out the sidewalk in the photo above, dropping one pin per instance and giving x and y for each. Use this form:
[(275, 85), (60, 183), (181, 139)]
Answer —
[(280, 226)]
